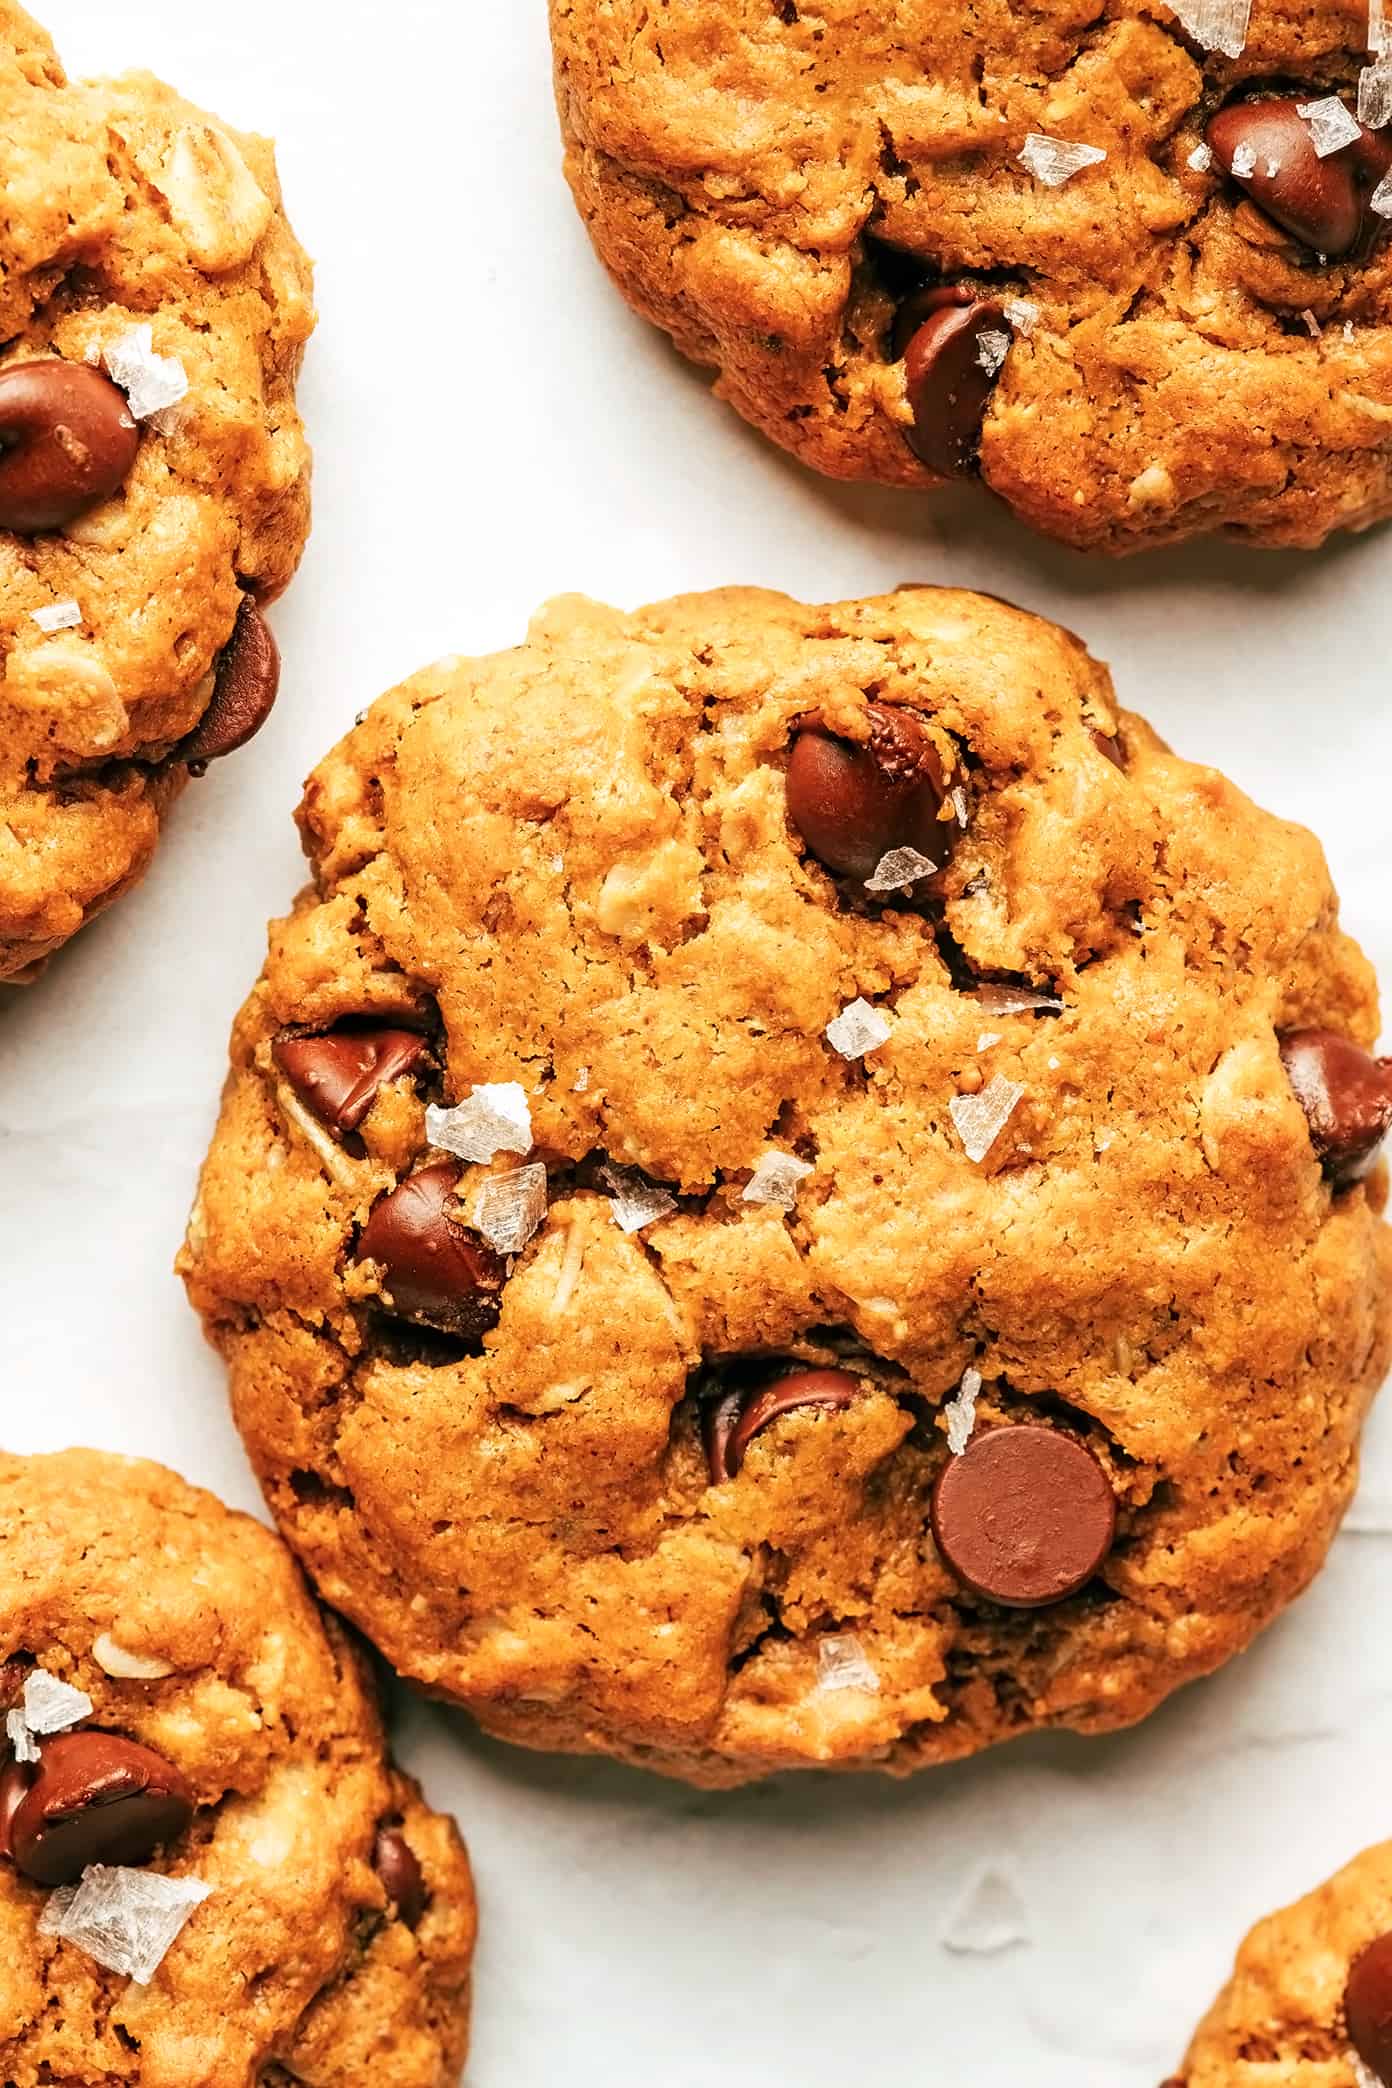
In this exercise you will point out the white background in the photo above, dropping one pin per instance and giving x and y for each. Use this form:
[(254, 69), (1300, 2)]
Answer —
[(492, 427)]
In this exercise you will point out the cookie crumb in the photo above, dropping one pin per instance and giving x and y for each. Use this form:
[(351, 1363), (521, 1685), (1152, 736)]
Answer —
[(153, 384), (1312, 325), (510, 1208), (980, 1119), (858, 1029), (59, 616), (1331, 125), (494, 1119), (841, 1664), (960, 1412), (1216, 25), (989, 1917), (1055, 161), (635, 1202), (125, 1919), (775, 1180)]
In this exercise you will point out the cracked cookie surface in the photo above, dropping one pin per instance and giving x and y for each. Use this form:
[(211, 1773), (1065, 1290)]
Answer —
[(775, 182), (1309, 1990), (126, 208), (656, 1469), (318, 1945)]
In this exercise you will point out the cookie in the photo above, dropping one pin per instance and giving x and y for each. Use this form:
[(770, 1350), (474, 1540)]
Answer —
[(154, 477), (209, 1870), (1309, 2004), (1093, 254), (797, 1190)]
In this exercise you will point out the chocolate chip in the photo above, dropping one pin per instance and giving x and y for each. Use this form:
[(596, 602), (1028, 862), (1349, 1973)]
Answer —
[(15, 1779), (949, 374), (852, 803), (1368, 2007), (95, 1798), (437, 1273), (731, 1419), (67, 440), (1346, 1095), (403, 1880), (1322, 202), (1109, 747), (338, 1075), (244, 691), (1025, 1516)]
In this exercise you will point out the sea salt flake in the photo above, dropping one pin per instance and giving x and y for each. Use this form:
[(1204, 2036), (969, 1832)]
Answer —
[(511, 1207), (858, 1029), (495, 1119), (51, 1706), (1273, 168), (1349, 335), (153, 384), (987, 1039), (20, 1738), (775, 1180), (1023, 315), (1363, 2077), (1217, 25), (1331, 125), (992, 347), (1381, 198), (582, 1081), (989, 1917), (1377, 27), (1017, 1000), (960, 1412), (1055, 161), (1375, 94), (841, 1664), (59, 616), (125, 1919), (635, 1202), (1201, 158), (898, 868), (1244, 161), (980, 1119)]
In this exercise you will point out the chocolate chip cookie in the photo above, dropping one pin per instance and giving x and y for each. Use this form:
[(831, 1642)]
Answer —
[(797, 1191), (154, 478), (1128, 262), (1309, 2004), (209, 1871)]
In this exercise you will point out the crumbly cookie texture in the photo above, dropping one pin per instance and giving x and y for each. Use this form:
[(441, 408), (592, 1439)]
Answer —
[(1298, 1996), (775, 183), (1043, 1147), (126, 208), (192, 1633)]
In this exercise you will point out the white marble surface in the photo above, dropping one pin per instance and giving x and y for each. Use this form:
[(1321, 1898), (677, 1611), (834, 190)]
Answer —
[(492, 427)]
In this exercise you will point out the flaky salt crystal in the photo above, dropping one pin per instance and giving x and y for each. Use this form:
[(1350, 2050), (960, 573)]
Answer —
[(494, 1119), (153, 384), (125, 1919), (992, 347), (960, 1412), (1244, 161), (635, 1202), (1381, 198), (51, 1706), (1023, 315), (1331, 125), (858, 1029), (1217, 25), (957, 798), (897, 868), (510, 1207), (1016, 1000), (59, 616), (582, 1081), (980, 1119), (987, 1039), (1056, 160), (1362, 2075), (841, 1664), (989, 1917), (20, 1738), (1201, 158), (775, 1180), (1375, 94)]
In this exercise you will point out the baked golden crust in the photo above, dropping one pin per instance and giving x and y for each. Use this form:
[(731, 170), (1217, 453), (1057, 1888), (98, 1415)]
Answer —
[(749, 170), (571, 865), (125, 207), (295, 1960)]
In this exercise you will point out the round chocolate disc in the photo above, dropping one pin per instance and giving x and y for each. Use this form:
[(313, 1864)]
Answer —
[(1025, 1516), (1368, 2007)]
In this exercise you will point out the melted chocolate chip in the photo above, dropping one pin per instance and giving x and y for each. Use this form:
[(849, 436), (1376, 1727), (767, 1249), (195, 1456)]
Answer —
[(67, 441), (95, 1798), (949, 374), (436, 1272), (1346, 1095), (245, 687), (1025, 1516), (1368, 2007), (403, 1880), (338, 1075), (732, 1418), (852, 803), (1267, 147)]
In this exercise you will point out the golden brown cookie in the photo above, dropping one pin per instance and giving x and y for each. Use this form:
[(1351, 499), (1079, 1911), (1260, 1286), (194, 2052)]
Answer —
[(1309, 2004), (905, 1306), (209, 1870), (154, 477), (1093, 252)]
